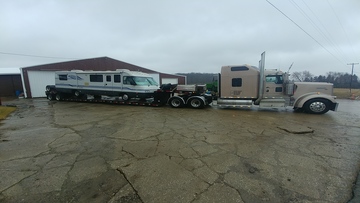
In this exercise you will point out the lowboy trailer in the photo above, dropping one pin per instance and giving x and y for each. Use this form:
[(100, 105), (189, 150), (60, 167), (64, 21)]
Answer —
[(176, 96)]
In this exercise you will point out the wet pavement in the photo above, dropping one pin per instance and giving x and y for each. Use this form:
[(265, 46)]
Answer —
[(84, 152)]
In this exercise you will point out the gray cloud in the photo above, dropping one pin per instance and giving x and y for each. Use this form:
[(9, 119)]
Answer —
[(183, 36)]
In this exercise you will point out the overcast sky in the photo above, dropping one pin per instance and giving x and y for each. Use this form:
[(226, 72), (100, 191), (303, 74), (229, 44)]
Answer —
[(175, 36)]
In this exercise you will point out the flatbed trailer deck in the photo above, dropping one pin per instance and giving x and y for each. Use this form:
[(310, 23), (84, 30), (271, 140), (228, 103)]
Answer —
[(115, 101), (176, 96)]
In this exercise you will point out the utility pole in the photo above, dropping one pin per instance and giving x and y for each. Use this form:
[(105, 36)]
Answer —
[(352, 72)]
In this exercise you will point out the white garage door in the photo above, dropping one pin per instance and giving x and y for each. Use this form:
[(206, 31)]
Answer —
[(169, 80), (38, 81), (156, 77)]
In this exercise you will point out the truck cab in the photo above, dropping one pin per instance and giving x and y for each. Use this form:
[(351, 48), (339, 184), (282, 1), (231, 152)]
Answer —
[(246, 85)]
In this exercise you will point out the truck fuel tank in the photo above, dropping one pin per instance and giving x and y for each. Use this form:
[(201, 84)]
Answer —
[(234, 103)]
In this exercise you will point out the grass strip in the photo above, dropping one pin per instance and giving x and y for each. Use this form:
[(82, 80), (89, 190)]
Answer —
[(5, 111)]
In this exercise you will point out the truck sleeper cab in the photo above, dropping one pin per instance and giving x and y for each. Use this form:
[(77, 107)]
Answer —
[(122, 82)]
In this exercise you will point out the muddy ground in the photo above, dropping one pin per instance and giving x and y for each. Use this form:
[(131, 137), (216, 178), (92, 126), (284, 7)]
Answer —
[(83, 152)]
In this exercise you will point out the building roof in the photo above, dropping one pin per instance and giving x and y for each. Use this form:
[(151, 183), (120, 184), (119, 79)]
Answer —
[(101, 63), (9, 71)]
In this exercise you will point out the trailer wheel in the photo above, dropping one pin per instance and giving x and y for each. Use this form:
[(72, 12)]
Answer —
[(196, 103), (317, 106), (77, 93), (97, 97), (125, 97), (50, 97), (58, 97), (176, 102)]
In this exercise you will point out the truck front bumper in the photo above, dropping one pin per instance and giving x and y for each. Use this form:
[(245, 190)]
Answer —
[(334, 106)]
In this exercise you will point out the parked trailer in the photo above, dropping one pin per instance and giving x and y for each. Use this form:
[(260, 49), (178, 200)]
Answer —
[(176, 96)]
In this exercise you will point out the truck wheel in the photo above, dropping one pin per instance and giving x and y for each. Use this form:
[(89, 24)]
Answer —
[(50, 97), (125, 97), (317, 106), (58, 97), (196, 103), (176, 102)]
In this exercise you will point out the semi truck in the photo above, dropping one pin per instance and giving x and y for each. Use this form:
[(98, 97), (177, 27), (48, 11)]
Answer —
[(247, 85), (238, 86)]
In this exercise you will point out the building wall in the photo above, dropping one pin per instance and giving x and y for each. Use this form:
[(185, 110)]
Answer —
[(9, 84)]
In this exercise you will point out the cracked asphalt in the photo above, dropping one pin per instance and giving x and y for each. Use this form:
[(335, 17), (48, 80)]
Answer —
[(85, 152)]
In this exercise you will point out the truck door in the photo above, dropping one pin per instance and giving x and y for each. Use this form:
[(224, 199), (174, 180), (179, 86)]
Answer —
[(274, 86)]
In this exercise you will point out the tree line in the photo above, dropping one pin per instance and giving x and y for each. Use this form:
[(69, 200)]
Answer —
[(200, 78), (340, 80)]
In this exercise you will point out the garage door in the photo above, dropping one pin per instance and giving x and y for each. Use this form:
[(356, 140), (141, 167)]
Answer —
[(38, 81), (169, 80), (156, 77)]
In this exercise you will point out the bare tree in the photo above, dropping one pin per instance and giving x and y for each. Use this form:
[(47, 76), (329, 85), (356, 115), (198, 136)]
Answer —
[(304, 76)]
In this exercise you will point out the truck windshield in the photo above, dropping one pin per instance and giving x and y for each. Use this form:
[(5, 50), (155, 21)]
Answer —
[(144, 81)]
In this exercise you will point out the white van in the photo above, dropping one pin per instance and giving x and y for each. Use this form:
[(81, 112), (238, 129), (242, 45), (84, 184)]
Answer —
[(122, 82)]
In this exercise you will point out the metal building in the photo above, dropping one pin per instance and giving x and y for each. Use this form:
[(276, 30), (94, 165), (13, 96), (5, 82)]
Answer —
[(35, 78), (10, 84)]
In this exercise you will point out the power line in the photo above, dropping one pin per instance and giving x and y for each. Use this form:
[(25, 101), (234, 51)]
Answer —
[(342, 27), (28, 55), (328, 37), (304, 31)]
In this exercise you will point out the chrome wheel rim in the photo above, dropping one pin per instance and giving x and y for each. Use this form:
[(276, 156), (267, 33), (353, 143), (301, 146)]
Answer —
[(317, 107), (125, 97), (175, 103), (195, 103), (58, 97)]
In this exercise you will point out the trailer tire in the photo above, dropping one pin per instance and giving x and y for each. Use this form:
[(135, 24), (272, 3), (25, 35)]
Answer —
[(50, 97), (77, 93), (317, 106), (196, 103), (58, 97), (97, 97), (125, 97), (176, 102)]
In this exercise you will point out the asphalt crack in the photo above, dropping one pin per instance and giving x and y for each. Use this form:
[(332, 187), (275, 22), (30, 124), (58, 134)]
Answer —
[(132, 186)]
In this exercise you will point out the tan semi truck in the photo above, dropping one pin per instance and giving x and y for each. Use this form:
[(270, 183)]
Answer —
[(246, 85)]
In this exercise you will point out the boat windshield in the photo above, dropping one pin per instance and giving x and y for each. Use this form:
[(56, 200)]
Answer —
[(144, 81)]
